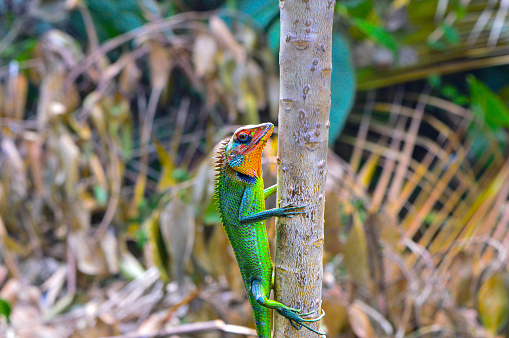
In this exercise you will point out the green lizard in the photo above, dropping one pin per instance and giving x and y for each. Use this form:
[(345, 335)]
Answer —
[(240, 197)]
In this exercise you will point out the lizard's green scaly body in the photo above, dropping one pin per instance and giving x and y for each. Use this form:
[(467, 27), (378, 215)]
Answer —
[(241, 198)]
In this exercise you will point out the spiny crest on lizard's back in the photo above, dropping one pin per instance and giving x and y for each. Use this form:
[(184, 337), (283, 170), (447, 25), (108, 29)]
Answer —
[(219, 167)]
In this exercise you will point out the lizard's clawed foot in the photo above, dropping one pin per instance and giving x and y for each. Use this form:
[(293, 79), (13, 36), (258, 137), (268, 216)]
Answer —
[(295, 317), (288, 210)]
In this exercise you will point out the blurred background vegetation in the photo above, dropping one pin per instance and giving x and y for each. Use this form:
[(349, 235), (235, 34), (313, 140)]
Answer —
[(109, 114)]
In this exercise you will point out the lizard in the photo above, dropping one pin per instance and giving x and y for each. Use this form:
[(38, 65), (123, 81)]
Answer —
[(240, 201)]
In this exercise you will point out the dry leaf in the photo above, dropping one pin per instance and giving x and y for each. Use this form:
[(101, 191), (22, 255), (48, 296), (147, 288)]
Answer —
[(109, 247), (160, 63), (224, 35), (13, 170), (53, 286), (97, 115), (273, 95), (493, 303), (177, 226), (97, 168), (203, 188), (462, 276), (355, 250), (69, 159), (337, 317), (15, 97), (359, 321), (88, 254), (204, 55), (257, 83), (34, 147), (158, 255), (129, 78)]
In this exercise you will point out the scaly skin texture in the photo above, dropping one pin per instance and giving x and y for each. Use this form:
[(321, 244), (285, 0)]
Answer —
[(240, 197)]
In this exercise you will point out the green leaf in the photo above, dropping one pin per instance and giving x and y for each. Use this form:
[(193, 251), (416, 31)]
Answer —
[(180, 175), (487, 105), (358, 8), (421, 11), (435, 80), (377, 33), (450, 91), (273, 37), (343, 85), (211, 217), (263, 12), (5, 309), (493, 300), (127, 140), (451, 34), (100, 195), (114, 17), (437, 45)]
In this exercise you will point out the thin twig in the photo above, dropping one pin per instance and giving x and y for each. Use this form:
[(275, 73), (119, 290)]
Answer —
[(115, 42), (115, 195), (12, 34), (211, 326)]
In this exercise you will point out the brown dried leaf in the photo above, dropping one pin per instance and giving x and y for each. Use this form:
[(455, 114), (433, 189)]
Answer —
[(177, 226), (81, 129), (129, 265), (166, 178), (257, 83), (97, 168), (95, 328), (204, 55), (462, 275), (214, 254), (273, 95), (129, 78), (10, 291), (109, 246), (34, 145), (389, 231), (2, 100), (53, 285), (337, 317), (157, 253), (160, 64), (69, 158), (223, 34), (223, 260), (15, 97), (14, 171), (89, 256), (355, 250), (71, 4), (203, 188), (154, 323), (97, 115), (359, 321)]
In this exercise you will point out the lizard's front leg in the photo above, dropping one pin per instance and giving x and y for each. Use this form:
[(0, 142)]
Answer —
[(248, 198)]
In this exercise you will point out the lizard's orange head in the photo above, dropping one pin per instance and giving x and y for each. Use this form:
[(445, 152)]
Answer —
[(244, 151)]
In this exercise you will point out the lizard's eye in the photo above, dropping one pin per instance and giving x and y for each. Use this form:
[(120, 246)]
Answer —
[(242, 137)]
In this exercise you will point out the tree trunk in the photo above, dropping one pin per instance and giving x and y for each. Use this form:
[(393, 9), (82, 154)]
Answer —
[(305, 72)]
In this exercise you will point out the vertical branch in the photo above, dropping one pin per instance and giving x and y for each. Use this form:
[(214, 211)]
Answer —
[(305, 74)]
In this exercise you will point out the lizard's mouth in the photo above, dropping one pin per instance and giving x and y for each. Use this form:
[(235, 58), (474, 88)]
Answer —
[(261, 136)]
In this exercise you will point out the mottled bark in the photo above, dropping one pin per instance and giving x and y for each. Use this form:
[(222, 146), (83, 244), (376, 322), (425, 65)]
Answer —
[(305, 72)]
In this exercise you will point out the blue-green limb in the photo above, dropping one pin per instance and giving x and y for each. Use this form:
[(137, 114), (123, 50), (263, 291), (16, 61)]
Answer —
[(294, 315), (248, 198)]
